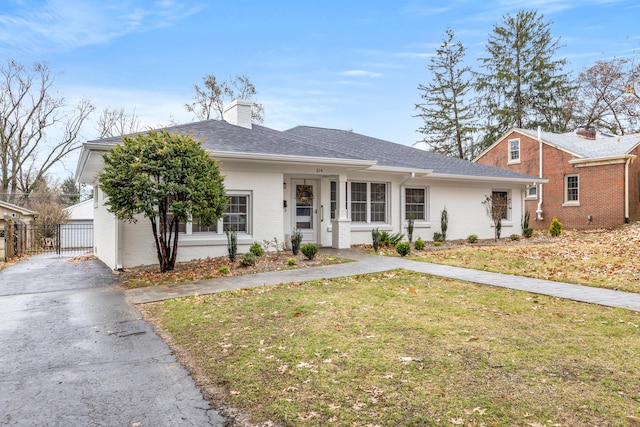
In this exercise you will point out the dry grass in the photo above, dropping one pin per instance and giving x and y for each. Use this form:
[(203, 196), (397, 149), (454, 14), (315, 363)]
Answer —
[(402, 348), (604, 258)]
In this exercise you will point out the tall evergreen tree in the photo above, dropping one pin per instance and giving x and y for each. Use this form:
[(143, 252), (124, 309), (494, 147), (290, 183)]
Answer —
[(523, 84), (448, 122)]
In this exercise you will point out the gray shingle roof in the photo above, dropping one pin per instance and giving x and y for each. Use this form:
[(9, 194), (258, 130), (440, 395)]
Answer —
[(305, 141), (397, 155), (604, 145)]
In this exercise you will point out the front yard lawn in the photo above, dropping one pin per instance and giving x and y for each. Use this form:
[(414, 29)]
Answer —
[(403, 348)]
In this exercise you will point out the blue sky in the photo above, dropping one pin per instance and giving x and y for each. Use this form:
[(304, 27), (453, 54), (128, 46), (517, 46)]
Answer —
[(330, 63)]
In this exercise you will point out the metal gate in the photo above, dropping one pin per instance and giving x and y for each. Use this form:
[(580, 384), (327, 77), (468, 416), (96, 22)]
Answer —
[(53, 238)]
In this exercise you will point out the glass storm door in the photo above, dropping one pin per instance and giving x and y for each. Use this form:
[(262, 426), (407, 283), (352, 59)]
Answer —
[(305, 215)]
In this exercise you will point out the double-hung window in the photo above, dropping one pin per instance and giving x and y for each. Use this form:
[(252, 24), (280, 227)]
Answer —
[(571, 193), (415, 203), (237, 217), (501, 203), (514, 151), (368, 202)]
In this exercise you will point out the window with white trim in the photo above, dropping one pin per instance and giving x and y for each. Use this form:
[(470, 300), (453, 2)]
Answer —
[(334, 198), (532, 191), (501, 202), (572, 187), (368, 202), (514, 151), (415, 203), (237, 217)]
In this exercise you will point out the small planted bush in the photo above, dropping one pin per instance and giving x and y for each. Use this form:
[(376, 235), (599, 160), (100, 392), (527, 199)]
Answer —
[(223, 270), (248, 259), (292, 262), (232, 245), (309, 250), (527, 232), (388, 240), (514, 237), (419, 244), (256, 249), (555, 229), (472, 238), (375, 238), (437, 243), (296, 239), (403, 248), (438, 237)]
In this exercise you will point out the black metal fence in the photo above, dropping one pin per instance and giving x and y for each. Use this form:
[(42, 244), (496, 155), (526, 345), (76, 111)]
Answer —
[(53, 238)]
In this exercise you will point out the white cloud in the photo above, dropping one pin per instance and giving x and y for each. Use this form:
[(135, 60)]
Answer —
[(57, 25), (360, 73)]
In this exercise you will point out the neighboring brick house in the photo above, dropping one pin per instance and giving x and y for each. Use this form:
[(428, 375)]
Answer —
[(592, 176)]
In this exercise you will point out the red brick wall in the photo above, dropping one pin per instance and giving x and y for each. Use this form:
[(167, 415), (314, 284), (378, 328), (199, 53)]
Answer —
[(601, 188)]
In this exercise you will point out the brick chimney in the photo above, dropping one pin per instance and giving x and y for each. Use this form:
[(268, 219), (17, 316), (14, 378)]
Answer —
[(586, 132), (238, 113)]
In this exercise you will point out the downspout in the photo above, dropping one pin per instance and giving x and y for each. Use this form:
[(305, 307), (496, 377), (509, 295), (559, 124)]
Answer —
[(118, 236), (626, 191), (539, 210)]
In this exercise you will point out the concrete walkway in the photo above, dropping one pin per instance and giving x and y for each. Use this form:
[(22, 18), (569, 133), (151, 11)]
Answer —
[(365, 263)]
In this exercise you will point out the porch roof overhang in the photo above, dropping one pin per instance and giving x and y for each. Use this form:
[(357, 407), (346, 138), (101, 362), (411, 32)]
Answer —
[(606, 160)]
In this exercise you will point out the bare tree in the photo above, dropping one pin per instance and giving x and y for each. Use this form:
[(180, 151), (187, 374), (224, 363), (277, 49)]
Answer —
[(497, 206), (209, 100), (28, 112), (605, 97), (117, 122)]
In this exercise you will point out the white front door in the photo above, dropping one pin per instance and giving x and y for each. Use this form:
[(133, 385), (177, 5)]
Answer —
[(305, 215)]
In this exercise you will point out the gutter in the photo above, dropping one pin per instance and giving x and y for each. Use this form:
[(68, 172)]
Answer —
[(539, 210)]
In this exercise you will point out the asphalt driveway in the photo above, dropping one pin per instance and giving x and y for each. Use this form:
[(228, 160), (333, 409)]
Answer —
[(73, 352)]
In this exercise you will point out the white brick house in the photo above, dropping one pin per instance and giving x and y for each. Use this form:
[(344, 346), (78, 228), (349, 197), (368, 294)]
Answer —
[(333, 185)]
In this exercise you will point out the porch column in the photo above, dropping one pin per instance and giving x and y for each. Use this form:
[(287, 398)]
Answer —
[(341, 225)]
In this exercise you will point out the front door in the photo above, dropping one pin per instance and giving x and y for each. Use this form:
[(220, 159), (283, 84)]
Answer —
[(306, 213)]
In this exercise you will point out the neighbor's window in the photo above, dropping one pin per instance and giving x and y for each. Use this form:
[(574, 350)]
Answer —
[(514, 151), (571, 184), (368, 202), (415, 203)]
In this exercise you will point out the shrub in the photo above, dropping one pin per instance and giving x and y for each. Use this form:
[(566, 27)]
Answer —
[(296, 239), (403, 248), (438, 237), (223, 270), (527, 232), (555, 229), (248, 259), (375, 238), (292, 261), (309, 250), (419, 244), (232, 244), (437, 243), (388, 240), (256, 249), (444, 223), (514, 237), (410, 222), (472, 238)]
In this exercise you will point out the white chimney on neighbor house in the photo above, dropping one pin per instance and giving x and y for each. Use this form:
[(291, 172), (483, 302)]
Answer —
[(238, 113)]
